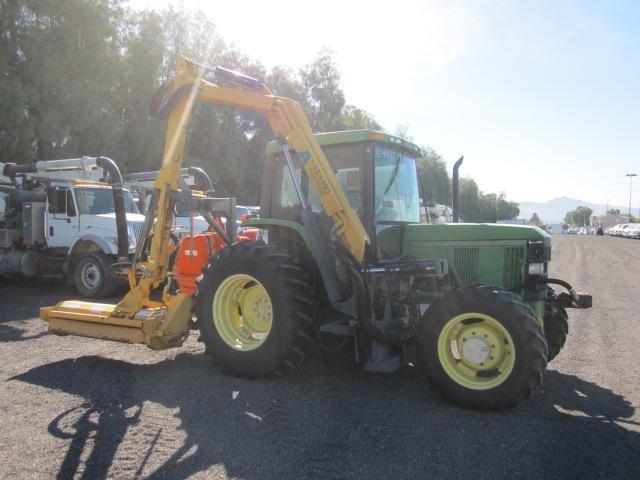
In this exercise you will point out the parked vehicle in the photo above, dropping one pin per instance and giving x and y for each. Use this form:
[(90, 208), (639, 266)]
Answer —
[(628, 230), (59, 221)]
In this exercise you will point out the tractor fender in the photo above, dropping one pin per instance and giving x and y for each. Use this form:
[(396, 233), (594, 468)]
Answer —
[(295, 238)]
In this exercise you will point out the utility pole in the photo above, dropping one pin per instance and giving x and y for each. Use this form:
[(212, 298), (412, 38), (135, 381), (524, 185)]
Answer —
[(630, 175)]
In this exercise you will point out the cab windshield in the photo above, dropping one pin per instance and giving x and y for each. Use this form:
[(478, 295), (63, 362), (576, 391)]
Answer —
[(396, 196), (95, 201)]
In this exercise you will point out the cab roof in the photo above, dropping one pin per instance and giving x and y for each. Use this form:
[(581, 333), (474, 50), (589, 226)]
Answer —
[(354, 136)]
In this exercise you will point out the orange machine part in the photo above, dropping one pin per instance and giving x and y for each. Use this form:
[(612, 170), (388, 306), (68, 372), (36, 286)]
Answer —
[(193, 255)]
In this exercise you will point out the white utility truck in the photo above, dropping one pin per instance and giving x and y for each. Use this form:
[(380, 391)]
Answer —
[(58, 220)]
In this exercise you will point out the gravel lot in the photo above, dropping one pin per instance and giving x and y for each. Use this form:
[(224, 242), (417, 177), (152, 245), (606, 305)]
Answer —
[(73, 407)]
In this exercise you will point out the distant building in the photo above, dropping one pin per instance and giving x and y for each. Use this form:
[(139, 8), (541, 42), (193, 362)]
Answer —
[(556, 228), (608, 220)]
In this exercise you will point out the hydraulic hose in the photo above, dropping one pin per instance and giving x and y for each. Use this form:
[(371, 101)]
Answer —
[(158, 110), (118, 204), (555, 281), (202, 179)]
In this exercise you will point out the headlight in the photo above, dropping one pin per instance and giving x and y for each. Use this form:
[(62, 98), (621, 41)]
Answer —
[(536, 269), (113, 240)]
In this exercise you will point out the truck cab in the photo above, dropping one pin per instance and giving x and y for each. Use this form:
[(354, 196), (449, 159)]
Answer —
[(83, 211)]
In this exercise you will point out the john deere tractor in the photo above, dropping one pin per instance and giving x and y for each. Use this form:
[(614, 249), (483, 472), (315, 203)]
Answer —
[(469, 303), (343, 255)]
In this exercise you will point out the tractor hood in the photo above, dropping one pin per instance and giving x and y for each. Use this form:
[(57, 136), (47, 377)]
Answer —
[(471, 232)]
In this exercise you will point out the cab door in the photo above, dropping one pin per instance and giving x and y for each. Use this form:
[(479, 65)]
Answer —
[(62, 217)]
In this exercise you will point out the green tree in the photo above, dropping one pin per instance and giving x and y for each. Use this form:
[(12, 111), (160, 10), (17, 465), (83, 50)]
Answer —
[(506, 209), (323, 98), (469, 200), (435, 177), (580, 216), (141, 137), (62, 62), (354, 118), (535, 220)]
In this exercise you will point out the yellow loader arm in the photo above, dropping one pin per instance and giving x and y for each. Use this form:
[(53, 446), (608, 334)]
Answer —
[(287, 119), (137, 319)]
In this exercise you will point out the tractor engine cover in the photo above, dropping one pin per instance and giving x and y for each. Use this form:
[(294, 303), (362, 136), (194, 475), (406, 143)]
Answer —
[(193, 255)]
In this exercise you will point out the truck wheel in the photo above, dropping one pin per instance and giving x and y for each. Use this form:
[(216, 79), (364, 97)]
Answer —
[(482, 348), (92, 278), (255, 310), (556, 325)]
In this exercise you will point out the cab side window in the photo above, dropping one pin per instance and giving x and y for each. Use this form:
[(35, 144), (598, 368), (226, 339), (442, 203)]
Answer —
[(71, 207), (57, 200)]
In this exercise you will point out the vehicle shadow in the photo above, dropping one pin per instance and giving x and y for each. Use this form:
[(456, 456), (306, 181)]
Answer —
[(9, 333), (21, 298), (329, 420)]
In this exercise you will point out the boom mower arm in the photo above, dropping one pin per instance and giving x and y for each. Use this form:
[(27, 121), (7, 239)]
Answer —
[(164, 324), (287, 120)]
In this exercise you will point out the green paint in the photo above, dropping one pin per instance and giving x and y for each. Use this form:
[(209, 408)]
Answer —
[(477, 232)]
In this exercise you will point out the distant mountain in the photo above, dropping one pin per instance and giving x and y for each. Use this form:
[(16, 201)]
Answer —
[(554, 210)]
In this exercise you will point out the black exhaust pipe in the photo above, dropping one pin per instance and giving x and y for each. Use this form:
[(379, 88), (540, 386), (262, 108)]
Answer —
[(118, 204), (456, 192)]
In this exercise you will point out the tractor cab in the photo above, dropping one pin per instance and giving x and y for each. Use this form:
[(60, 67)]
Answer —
[(376, 171)]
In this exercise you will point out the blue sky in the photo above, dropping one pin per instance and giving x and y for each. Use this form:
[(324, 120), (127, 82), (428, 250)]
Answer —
[(542, 98)]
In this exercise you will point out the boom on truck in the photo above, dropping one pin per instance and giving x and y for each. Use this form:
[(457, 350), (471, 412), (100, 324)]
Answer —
[(345, 256)]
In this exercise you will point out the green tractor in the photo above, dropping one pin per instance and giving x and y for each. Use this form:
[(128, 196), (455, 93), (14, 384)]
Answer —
[(469, 303)]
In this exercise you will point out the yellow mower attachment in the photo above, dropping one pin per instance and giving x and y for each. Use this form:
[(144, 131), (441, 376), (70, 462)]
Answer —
[(158, 325)]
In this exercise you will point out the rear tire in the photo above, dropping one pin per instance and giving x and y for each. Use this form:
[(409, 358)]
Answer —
[(556, 325), (255, 310), (91, 276), (482, 348)]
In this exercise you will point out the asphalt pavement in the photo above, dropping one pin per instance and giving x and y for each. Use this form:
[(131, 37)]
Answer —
[(81, 408)]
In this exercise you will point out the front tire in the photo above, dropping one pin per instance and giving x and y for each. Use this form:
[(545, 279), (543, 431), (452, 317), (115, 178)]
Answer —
[(482, 348), (556, 324), (91, 276), (255, 310)]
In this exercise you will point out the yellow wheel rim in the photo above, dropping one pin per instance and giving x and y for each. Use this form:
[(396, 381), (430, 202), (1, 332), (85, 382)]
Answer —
[(242, 312), (476, 351)]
